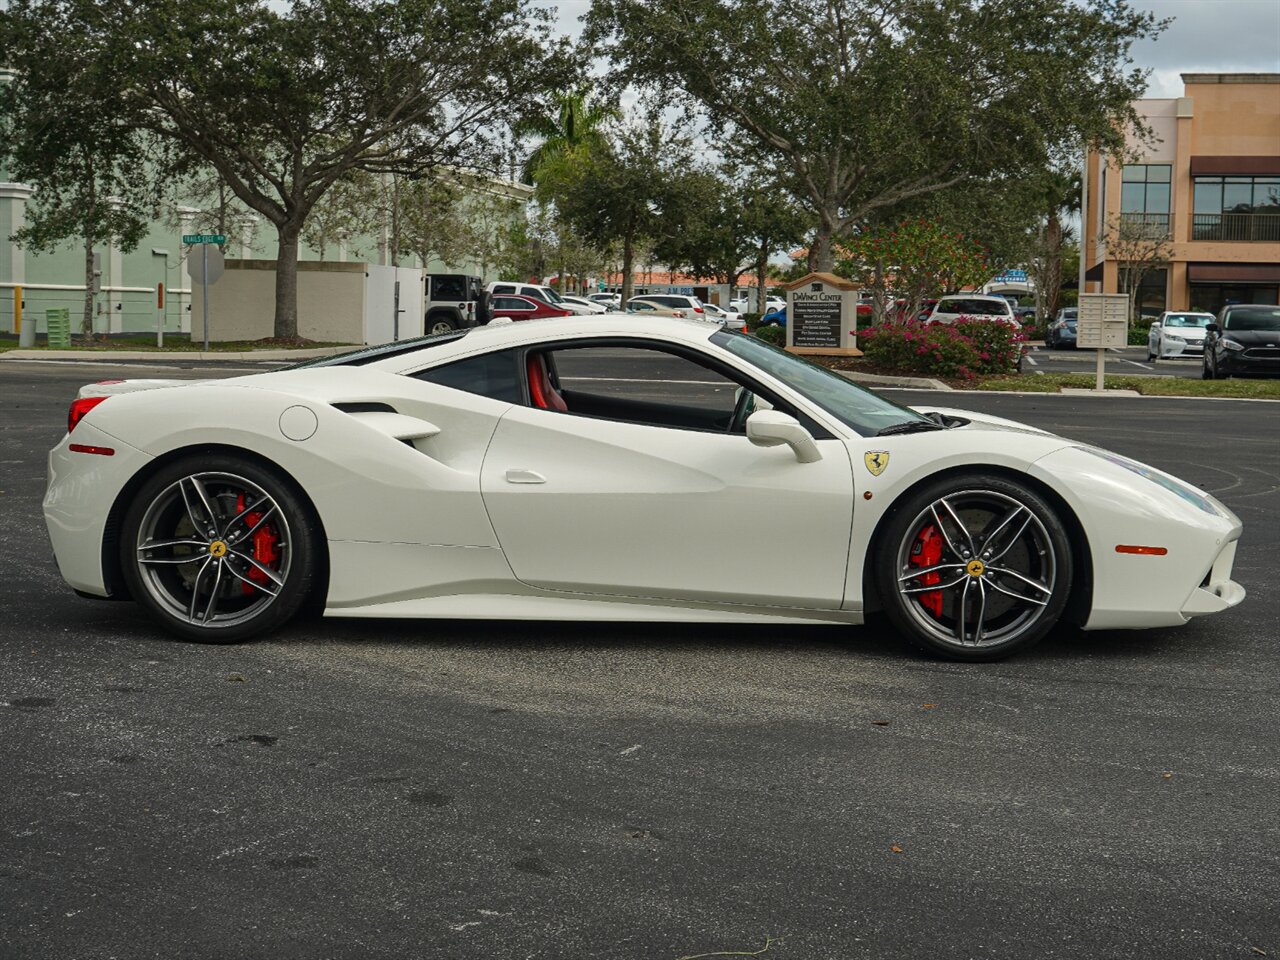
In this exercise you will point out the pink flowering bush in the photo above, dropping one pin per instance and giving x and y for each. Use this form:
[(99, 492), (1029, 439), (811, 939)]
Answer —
[(969, 348)]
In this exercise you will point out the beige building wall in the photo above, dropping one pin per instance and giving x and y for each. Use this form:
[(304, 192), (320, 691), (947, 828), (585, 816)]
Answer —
[(331, 302), (1221, 116)]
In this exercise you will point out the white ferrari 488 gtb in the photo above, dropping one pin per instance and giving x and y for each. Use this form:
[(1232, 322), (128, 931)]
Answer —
[(613, 467)]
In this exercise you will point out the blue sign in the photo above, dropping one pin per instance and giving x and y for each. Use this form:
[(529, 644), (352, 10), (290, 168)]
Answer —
[(1011, 276)]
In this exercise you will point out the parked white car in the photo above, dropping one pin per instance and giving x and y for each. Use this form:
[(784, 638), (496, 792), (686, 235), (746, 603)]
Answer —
[(538, 292), (569, 301), (1178, 333), (727, 318), (690, 307), (611, 301), (747, 304), (974, 305)]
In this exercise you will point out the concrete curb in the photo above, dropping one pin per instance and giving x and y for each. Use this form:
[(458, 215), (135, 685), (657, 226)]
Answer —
[(907, 383), (237, 356)]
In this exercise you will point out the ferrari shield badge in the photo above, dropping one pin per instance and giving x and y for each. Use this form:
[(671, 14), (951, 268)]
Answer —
[(876, 461)]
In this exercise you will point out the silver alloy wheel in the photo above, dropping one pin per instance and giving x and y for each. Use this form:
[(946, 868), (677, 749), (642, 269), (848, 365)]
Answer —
[(213, 549), (440, 326), (993, 578)]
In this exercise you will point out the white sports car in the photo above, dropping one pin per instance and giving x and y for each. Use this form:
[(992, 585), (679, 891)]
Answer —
[(613, 468)]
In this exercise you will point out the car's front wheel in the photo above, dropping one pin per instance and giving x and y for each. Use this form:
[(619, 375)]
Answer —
[(974, 567), (219, 548)]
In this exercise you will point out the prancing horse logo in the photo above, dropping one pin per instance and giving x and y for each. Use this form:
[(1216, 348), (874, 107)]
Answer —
[(876, 461)]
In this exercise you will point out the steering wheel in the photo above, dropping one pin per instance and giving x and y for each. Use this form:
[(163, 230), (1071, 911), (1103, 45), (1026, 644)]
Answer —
[(741, 410)]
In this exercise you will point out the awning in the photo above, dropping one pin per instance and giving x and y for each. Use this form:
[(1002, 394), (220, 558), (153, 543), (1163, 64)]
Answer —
[(1268, 273), (1235, 166), (1094, 273)]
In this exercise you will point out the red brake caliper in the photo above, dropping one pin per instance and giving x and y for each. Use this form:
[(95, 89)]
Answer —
[(264, 545), (926, 552)]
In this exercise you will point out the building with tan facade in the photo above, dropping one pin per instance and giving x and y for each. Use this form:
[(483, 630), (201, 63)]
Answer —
[(1197, 210)]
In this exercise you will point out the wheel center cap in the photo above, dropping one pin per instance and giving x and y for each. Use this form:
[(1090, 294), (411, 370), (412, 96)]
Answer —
[(217, 549), (975, 568)]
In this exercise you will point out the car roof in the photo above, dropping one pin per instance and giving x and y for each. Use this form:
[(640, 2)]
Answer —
[(974, 296), (498, 335)]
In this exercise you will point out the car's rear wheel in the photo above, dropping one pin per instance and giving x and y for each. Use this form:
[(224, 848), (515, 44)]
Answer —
[(439, 324), (219, 549), (974, 568)]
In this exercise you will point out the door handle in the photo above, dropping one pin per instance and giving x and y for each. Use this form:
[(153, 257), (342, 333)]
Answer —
[(525, 476)]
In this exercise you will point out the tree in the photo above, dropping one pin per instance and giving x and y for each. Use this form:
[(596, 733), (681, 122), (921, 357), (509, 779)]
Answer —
[(1060, 199), (573, 124), (865, 104), (350, 209), (618, 193), (919, 257), (285, 101), (729, 223), (61, 132), (1139, 246)]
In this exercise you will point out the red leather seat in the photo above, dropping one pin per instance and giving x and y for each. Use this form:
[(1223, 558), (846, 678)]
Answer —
[(541, 391)]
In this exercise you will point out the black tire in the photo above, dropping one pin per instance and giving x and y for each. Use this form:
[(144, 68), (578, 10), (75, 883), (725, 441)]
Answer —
[(219, 549), (439, 323), (983, 519)]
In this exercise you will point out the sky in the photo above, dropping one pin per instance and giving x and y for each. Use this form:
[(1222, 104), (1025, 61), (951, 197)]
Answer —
[(1205, 36)]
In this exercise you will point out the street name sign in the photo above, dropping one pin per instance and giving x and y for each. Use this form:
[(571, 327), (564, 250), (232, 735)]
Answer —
[(218, 238)]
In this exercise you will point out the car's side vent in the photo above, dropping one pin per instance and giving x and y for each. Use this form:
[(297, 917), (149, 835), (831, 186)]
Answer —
[(364, 406)]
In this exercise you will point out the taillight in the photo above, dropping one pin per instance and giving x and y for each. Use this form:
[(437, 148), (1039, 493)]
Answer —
[(79, 407)]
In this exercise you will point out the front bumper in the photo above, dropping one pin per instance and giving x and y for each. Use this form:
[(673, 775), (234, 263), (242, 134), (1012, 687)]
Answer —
[(1253, 362)]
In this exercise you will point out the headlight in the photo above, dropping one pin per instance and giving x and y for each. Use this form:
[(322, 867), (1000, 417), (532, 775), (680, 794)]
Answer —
[(1174, 339), (1197, 498), (1231, 344)]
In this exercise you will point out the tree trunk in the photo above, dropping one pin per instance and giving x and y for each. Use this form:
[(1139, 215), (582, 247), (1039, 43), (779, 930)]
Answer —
[(762, 273), (286, 320), (878, 294), (628, 253), (86, 322), (822, 260), (1053, 266)]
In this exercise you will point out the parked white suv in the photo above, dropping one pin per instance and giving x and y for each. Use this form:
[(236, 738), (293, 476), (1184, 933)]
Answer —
[(974, 305), (538, 292)]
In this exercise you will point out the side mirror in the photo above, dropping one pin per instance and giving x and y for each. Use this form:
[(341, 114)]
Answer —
[(1155, 325), (1212, 328), (772, 428)]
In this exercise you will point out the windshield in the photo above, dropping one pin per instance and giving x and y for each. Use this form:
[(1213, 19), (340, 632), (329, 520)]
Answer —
[(1187, 319), (1252, 318), (852, 405), (550, 295)]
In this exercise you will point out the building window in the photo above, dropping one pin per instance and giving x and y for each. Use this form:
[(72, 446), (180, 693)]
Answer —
[(1144, 195), (1236, 208), (1150, 297)]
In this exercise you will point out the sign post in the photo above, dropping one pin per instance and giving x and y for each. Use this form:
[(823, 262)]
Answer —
[(207, 269), (1102, 322)]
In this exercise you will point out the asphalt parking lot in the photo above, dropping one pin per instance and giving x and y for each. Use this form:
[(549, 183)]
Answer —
[(493, 789), (1131, 361)]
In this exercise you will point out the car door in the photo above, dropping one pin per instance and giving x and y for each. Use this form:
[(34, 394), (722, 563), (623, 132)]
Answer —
[(613, 502)]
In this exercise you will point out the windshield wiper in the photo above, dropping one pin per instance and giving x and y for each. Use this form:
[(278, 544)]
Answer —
[(910, 426)]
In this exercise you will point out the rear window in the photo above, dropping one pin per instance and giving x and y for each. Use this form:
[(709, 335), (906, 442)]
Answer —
[(975, 307), (449, 288)]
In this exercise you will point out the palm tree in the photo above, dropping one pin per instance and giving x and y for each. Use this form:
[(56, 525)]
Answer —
[(1060, 200), (572, 124)]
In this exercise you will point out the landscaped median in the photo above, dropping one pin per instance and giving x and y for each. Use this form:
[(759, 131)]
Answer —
[(1146, 385)]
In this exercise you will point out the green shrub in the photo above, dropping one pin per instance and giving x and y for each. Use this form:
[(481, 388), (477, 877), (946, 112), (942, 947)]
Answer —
[(964, 350), (772, 333), (1138, 331)]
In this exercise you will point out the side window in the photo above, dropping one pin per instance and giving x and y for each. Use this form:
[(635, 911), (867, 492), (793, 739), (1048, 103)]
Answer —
[(510, 303), (489, 375), (504, 288), (642, 385)]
